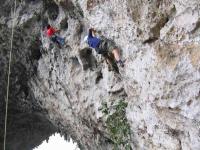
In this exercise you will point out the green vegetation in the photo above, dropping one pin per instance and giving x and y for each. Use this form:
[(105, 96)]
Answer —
[(117, 124)]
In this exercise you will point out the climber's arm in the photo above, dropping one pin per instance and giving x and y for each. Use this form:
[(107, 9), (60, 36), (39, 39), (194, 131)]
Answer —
[(92, 32), (57, 30)]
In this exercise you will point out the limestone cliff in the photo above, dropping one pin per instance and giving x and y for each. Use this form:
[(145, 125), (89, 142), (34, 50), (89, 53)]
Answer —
[(152, 103)]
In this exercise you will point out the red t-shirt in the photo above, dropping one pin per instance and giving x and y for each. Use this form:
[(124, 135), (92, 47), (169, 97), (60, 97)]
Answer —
[(50, 32)]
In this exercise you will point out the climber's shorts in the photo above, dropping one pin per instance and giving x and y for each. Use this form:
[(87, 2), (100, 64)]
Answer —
[(106, 46), (54, 38)]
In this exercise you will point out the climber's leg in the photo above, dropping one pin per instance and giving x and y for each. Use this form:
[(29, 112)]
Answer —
[(116, 54), (109, 62), (114, 50), (54, 39), (60, 40)]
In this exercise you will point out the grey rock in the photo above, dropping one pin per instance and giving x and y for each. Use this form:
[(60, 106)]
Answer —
[(62, 89)]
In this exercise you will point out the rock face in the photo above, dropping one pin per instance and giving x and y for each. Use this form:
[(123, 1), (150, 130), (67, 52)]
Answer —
[(152, 103)]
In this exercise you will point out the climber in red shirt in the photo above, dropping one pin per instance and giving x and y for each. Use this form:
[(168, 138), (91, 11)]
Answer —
[(51, 33)]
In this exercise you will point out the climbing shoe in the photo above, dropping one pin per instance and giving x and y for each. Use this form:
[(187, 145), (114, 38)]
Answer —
[(120, 62)]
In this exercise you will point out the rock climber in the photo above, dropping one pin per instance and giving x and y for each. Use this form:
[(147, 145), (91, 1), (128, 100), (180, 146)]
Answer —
[(51, 33), (103, 46)]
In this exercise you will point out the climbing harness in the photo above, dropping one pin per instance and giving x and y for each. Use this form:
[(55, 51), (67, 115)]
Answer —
[(8, 81)]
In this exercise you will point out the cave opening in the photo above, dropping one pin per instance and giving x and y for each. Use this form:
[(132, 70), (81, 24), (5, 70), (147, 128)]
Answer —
[(56, 141)]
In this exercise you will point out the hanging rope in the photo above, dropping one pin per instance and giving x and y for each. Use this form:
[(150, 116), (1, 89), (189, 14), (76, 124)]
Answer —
[(8, 81)]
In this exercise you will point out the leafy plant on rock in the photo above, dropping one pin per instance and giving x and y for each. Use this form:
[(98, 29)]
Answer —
[(117, 124)]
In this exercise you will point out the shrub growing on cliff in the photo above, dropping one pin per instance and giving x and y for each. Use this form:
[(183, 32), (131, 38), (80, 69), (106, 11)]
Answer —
[(117, 124)]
